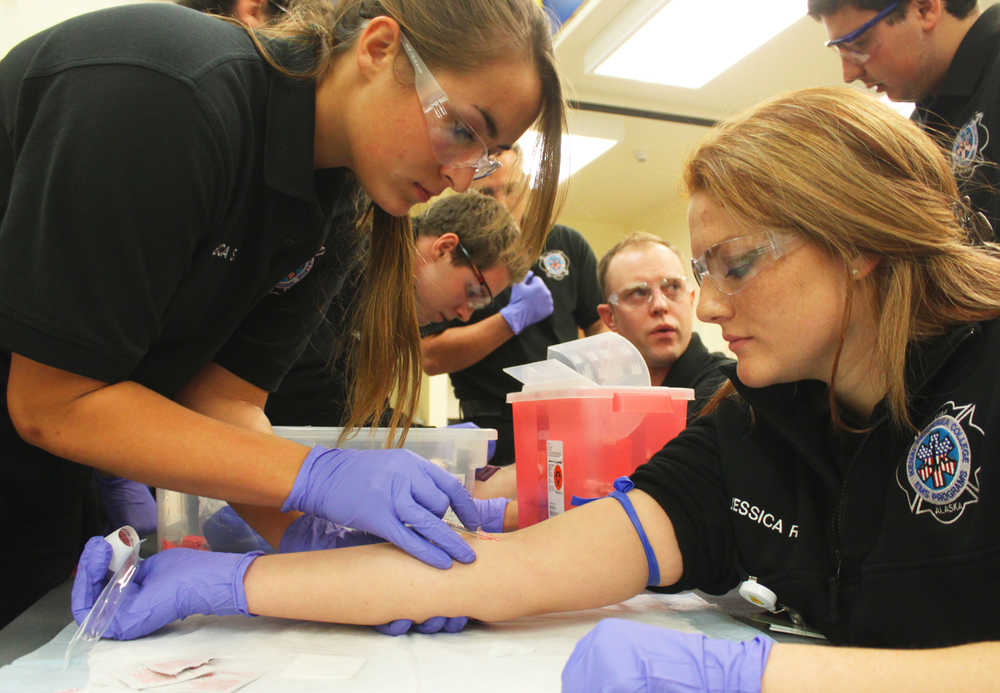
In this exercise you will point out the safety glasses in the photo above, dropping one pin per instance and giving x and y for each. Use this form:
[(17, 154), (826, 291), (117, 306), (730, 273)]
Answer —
[(852, 47), (455, 142), (639, 294), (732, 263), (478, 295)]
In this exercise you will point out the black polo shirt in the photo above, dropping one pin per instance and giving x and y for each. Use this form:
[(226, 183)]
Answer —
[(697, 368), (964, 113), (158, 209)]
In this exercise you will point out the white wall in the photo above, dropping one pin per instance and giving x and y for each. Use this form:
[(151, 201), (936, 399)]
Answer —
[(22, 18)]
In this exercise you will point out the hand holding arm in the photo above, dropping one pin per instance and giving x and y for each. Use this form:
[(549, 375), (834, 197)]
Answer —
[(394, 494)]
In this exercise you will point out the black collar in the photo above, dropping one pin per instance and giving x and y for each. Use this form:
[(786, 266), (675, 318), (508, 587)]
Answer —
[(685, 370), (971, 59)]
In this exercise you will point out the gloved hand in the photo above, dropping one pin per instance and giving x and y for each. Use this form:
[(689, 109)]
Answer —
[(490, 519), (394, 494), (530, 301), (620, 655), (226, 531), (491, 445), (311, 533), (126, 502), (490, 514), (168, 586), (431, 625)]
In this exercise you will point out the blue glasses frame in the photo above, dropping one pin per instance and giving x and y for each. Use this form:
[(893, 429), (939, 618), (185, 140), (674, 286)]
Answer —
[(852, 36)]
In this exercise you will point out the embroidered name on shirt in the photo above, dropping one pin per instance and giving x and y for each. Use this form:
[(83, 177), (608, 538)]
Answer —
[(224, 251), (761, 516)]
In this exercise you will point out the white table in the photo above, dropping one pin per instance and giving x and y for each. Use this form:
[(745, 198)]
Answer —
[(524, 656)]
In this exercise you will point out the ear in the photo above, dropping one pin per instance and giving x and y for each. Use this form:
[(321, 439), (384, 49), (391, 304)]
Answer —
[(377, 46), (445, 244), (863, 264), (929, 13), (607, 315), (253, 13)]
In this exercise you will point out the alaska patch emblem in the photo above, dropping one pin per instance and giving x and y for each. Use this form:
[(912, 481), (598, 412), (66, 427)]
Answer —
[(555, 264), (967, 149), (938, 478)]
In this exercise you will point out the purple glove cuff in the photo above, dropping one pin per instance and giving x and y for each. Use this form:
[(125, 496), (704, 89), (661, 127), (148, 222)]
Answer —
[(297, 497), (239, 590)]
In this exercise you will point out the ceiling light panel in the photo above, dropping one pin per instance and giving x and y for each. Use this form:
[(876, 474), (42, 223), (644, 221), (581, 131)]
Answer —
[(687, 43)]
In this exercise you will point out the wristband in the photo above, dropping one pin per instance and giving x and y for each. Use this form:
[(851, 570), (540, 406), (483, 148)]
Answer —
[(622, 486)]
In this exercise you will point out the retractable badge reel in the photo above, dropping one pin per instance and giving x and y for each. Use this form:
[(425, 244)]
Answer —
[(756, 593), (124, 562)]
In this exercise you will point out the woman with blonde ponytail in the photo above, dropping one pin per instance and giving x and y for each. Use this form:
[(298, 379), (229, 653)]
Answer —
[(182, 196)]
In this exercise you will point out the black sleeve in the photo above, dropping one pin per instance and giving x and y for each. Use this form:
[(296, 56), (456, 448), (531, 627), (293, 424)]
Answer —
[(685, 479), (588, 291), (117, 173)]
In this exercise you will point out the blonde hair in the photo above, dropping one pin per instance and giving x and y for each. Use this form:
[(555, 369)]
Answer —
[(459, 36), (854, 177)]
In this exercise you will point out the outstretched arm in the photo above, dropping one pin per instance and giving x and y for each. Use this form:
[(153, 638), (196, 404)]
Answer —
[(557, 565)]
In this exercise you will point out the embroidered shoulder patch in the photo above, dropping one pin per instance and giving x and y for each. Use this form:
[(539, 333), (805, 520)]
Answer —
[(938, 478), (967, 148), (555, 264), (293, 278)]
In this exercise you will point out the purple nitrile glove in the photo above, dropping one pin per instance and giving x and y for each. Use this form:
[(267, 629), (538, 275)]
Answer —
[(530, 301), (311, 533), (168, 586), (394, 494), (431, 625), (620, 655), (126, 502), (491, 445), (226, 531)]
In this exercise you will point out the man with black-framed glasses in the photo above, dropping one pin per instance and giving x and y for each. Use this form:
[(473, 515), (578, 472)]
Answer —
[(942, 54)]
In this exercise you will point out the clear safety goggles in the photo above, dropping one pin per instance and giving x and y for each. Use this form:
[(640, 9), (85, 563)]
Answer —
[(732, 263), (638, 294), (455, 142)]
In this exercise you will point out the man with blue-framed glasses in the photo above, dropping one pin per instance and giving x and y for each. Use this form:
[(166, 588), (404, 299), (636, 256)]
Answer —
[(942, 54)]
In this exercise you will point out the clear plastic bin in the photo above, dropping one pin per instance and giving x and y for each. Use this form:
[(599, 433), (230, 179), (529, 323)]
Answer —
[(576, 441), (207, 523)]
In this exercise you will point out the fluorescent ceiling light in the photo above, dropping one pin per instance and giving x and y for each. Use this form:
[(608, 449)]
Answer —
[(687, 43), (577, 152)]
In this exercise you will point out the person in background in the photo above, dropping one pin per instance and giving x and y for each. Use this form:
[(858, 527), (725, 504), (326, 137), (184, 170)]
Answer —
[(648, 300), (253, 13), (141, 335), (943, 54), (862, 301), (459, 239), (557, 298)]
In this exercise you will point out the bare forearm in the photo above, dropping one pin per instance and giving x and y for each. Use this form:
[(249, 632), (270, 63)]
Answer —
[(512, 576), (818, 669), (459, 347), (128, 430)]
